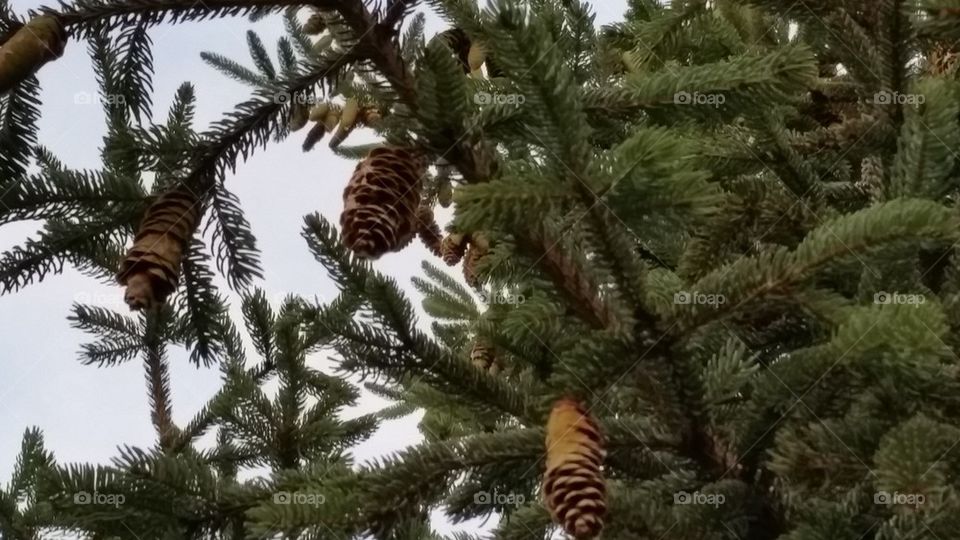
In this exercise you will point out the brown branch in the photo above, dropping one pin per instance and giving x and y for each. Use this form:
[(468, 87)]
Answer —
[(158, 381)]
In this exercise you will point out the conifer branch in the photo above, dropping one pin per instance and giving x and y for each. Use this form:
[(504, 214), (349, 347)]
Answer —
[(85, 17), (158, 379)]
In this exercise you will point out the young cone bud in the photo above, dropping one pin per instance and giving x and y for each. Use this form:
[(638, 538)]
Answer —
[(573, 484), (314, 25), (348, 120), (332, 118), (452, 248), (322, 44), (459, 43), (477, 250), (33, 45), (152, 266), (318, 113), (314, 136), (475, 57), (380, 202), (369, 116), (445, 193)]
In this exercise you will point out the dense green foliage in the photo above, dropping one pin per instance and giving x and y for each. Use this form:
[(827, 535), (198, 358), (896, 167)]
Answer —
[(726, 226)]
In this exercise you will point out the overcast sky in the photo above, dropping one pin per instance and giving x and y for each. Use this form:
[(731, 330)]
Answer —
[(85, 412)]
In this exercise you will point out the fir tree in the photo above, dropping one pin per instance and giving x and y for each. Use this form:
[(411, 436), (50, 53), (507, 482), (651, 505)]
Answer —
[(713, 241)]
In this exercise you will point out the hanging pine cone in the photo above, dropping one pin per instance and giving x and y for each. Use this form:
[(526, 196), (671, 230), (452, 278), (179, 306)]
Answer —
[(477, 250), (152, 266), (29, 48), (573, 484), (482, 355), (471, 56), (943, 60), (380, 202), (332, 117), (452, 248), (428, 230), (475, 58), (348, 120), (314, 136), (445, 193), (369, 116), (314, 25)]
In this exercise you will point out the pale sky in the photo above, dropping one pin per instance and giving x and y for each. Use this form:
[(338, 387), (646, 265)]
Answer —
[(86, 412)]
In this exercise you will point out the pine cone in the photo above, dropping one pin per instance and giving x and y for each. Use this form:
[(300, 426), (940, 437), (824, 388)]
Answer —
[(151, 269), (475, 58), (482, 355), (314, 136), (332, 118), (459, 42), (445, 193), (369, 116), (943, 60), (428, 230), (318, 113), (477, 250), (573, 484), (314, 25), (348, 120), (29, 48), (380, 202), (452, 248)]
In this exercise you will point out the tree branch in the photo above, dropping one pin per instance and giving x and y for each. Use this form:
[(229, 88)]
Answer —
[(86, 17), (158, 380)]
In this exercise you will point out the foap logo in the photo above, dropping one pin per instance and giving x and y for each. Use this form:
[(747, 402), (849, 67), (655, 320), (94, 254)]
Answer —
[(89, 98), (500, 297), (283, 98), (696, 98), (486, 98), (886, 97), (698, 498), (895, 298), (105, 499), (885, 498), (299, 498), (500, 499), (699, 298)]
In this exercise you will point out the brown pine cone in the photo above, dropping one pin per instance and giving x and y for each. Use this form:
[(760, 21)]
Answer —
[(151, 269), (475, 253), (380, 202), (482, 355), (452, 248), (573, 483)]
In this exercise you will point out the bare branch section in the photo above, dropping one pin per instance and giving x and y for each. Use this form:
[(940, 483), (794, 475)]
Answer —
[(158, 380)]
